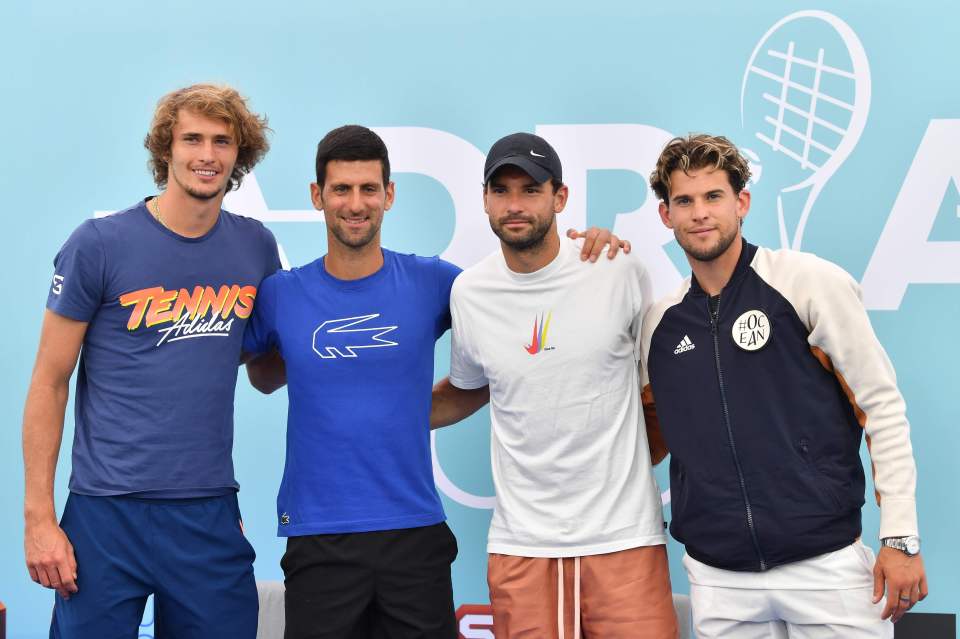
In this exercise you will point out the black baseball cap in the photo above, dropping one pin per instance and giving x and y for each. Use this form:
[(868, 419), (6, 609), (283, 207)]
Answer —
[(529, 152)]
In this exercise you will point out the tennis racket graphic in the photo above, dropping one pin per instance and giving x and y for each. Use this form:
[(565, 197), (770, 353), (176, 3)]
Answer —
[(805, 97)]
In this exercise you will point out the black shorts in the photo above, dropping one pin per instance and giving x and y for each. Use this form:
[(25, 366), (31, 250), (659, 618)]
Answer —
[(390, 583)]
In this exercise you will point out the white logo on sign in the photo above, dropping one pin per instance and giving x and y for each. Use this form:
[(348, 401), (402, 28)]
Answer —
[(751, 331), (450, 489), (809, 107), (906, 253), (473, 626)]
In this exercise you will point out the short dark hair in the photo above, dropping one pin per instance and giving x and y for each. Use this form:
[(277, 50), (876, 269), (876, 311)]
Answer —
[(351, 143)]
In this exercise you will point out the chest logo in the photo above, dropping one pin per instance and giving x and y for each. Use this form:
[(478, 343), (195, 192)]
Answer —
[(343, 337), (686, 344), (538, 342), (752, 330), (181, 314)]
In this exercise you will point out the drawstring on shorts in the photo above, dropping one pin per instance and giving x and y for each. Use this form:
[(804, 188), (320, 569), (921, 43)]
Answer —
[(576, 597)]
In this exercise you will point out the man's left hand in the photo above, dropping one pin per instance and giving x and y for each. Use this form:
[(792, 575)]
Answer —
[(595, 239), (905, 581)]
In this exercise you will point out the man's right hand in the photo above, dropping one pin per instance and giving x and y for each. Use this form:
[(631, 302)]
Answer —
[(50, 557), (49, 553)]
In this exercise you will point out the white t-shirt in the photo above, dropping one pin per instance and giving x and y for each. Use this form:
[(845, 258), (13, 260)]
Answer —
[(569, 449)]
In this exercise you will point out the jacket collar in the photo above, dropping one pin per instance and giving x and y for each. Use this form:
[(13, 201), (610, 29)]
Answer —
[(747, 251)]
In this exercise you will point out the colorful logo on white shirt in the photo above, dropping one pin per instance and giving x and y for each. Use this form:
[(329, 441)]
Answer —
[(539, 341)]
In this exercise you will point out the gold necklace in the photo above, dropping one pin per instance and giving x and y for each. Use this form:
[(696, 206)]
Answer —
[(156, 212)]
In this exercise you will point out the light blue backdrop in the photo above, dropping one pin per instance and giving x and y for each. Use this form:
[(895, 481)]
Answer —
[(80, 81)]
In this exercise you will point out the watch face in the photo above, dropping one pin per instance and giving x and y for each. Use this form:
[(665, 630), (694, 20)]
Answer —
[(913, 545)]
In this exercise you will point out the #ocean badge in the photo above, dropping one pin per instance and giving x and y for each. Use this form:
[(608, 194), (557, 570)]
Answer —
[(751, 331)]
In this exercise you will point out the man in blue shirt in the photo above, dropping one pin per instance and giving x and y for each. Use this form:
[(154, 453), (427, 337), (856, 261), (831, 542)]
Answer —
[(356, 330), (153, 300), (368, 550)]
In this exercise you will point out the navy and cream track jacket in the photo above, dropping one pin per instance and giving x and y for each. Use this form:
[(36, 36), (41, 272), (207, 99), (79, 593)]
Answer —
[(763, 407)]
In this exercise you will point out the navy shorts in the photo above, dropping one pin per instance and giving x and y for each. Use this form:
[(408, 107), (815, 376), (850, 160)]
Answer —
[(189, 553)]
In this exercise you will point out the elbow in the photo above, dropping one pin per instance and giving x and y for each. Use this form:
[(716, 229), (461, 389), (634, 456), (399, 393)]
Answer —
[(264, 384), (267, 372), (658, 455)]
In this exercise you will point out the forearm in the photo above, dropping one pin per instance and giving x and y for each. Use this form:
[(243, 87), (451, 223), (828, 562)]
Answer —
[(845, 343), (48, 553), (866, 377), (895, 474), (843, 340), (267, 372), (655, 438), (42, 435), (451, 404)]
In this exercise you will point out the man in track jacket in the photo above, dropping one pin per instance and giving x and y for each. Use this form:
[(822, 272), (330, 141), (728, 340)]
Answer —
[(764, 372)]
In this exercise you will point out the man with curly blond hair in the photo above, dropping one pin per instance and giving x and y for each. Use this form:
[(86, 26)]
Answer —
[(764, 373), (153, 300)]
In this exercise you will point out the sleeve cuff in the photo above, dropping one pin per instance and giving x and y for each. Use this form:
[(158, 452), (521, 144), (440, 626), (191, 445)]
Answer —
[(468, 384), (898, 518), (70, 312)]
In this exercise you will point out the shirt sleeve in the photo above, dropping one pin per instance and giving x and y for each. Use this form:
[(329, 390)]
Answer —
[(842, 337), (655, 439), (260, 334), (446, 274), (273, 253), (641, 288), (79, 275), (466, 371)]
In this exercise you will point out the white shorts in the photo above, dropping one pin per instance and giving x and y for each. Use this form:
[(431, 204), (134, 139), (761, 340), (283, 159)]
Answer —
[(806, 599)]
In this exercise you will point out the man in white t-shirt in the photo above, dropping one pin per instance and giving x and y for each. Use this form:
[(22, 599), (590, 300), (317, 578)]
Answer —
[(577, 536)]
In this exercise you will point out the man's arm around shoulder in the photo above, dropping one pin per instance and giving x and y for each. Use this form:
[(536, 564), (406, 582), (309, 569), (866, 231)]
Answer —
[(267, 372), (451, 404), (49, 554)]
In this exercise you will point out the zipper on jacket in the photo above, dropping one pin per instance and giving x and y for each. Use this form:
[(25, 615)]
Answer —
[(714, 331)]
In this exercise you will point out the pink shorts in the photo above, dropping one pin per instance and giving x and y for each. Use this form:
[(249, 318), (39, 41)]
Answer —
[(619, 595)]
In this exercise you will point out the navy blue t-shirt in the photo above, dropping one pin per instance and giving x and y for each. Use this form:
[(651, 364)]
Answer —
[(359, 358), (158, 366)]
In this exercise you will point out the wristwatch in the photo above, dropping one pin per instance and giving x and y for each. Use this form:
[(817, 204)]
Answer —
[(909, 545)]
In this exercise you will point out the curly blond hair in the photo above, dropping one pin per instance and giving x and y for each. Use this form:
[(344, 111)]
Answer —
[(697, 151), (213, 101)]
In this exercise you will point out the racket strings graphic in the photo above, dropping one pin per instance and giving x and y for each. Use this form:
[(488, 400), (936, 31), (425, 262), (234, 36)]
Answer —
[(810, 116), (813, 110)]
